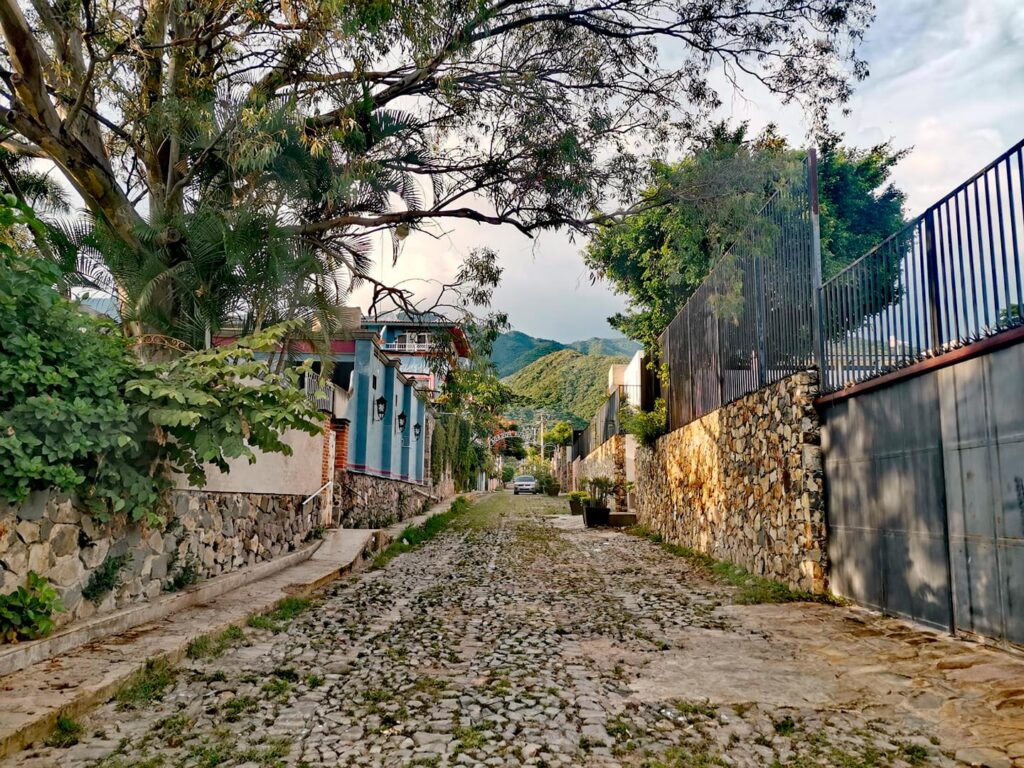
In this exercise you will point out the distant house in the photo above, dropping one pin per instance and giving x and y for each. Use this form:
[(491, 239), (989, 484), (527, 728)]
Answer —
[(410, 341), (380, 415)]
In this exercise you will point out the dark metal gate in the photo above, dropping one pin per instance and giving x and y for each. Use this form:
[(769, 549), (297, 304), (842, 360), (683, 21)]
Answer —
[(924, 437)]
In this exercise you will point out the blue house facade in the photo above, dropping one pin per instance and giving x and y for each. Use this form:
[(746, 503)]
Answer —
[(412, 340), (387, 416)]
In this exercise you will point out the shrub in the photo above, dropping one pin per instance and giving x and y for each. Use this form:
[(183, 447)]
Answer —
[(104, 578), (579, 497), (507, 473), (647, 427), (551, 486), (185, 576), (600, 487), (27, 613), (81, 413)]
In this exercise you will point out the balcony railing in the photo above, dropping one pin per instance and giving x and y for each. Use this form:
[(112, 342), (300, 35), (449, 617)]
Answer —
[(405, 346)]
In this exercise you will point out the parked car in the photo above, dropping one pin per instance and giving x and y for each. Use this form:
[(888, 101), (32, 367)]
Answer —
[(525, 484)]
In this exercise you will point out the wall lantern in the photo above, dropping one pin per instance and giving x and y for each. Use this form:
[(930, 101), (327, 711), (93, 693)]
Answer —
[(382, 407), (402, 418), (417, 430)]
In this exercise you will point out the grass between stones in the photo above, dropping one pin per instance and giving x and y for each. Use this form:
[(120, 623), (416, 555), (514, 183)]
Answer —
[(66, 734), (752, 589), (415, 536), (147, 685), (211, 646), (278, 619)]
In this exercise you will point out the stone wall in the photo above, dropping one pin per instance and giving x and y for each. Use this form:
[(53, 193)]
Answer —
[(367, 501), (744, 484), (607, 460), (208, 534)]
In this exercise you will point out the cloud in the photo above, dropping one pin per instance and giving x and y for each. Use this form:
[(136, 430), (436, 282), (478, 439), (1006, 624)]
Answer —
[(545, 288)]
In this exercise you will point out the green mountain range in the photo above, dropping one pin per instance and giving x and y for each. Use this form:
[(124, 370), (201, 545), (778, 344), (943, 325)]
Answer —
[(514, 351), (567, 384)]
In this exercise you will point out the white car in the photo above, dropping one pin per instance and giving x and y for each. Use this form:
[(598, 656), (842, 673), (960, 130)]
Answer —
[(525, 484)]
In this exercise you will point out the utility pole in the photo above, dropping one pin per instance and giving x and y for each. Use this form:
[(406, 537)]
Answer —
[(542, 435)]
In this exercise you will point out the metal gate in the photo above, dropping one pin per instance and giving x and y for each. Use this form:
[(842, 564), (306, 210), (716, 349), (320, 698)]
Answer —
[(924, 483), (983, 426), (923, 370)]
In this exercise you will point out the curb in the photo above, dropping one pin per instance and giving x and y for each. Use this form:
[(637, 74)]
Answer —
[(90, 695)]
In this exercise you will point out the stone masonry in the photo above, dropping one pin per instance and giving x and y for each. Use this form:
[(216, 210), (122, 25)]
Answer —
[(366, 501), (207, 534), (607, 460), (744, 484)]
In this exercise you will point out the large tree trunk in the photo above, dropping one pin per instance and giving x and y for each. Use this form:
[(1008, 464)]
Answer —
[(76, 148)]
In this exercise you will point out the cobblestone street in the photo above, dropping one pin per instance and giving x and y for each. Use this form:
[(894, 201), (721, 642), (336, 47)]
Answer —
[(517, 637)]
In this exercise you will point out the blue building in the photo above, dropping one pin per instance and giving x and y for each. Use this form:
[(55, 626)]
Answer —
[(388, 419), (412, 340)]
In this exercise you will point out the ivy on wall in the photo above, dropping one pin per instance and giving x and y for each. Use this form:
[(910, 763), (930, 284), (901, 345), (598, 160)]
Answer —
[(452, 449)]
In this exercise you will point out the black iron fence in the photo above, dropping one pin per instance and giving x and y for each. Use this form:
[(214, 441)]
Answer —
[(752, 321), (952, 276), (607, 422)]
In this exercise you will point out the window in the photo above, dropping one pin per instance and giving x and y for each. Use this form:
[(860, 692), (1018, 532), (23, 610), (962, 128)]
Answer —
[(375, 382)]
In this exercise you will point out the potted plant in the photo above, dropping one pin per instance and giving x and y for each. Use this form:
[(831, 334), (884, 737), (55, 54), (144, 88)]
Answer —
[(577, 500), (551, 486), (595, 512)]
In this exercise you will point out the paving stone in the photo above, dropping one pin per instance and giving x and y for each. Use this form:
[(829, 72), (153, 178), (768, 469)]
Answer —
[(527, 640)]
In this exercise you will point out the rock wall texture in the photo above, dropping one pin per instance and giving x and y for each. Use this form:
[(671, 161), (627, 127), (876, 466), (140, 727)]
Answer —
[(607, 460), (366, 501), (744, 484), (208, 534)]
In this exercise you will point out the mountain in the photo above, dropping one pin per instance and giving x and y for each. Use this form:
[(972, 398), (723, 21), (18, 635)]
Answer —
[(513, 351), (568, 384), (612, 347)]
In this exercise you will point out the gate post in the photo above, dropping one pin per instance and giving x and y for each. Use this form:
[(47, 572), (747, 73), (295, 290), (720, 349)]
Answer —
[(932, 275)]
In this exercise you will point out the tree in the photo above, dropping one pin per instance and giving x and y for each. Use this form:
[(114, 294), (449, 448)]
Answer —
[(336, 121), (80, 412), (659, 257), (560, 434)]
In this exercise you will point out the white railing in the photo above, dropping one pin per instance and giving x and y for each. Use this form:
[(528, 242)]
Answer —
[(404, 346)]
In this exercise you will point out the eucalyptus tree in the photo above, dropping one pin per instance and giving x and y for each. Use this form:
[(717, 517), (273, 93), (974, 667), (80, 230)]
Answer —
[(339, 120)]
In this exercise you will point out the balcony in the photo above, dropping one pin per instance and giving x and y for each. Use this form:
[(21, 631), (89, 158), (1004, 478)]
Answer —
[(407, 346)]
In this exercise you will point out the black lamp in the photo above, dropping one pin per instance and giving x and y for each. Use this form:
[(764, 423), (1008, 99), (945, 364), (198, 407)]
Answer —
[(417, 430), (402, 418), (382, 407)]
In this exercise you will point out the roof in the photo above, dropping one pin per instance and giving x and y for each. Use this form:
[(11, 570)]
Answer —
[(401, 317)]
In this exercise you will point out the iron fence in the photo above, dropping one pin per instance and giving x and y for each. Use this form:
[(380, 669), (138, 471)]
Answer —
[(952, 276), (607, 422), (753, 320)]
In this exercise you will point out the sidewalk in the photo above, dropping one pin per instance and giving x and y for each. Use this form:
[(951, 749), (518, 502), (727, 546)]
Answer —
[(79, 679)]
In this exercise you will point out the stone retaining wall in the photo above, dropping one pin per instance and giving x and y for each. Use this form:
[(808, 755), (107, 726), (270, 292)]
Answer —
[(607, 460), (744, 484), (208, 534), (367, 501)]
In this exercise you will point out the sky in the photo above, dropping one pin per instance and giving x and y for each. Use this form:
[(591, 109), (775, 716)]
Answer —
[(947, 79)]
